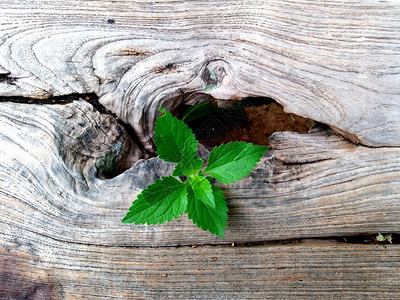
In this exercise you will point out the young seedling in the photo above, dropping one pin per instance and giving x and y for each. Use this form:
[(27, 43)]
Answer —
[(193, 193), (384, 238)]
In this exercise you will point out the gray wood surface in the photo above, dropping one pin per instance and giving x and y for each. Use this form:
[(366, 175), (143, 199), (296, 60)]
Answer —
[(51, 269), (336, 64), (309, 185), (60, 230)]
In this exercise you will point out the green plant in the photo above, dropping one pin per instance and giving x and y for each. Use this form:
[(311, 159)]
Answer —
[(384, 238), (194, 194), (203, 109)]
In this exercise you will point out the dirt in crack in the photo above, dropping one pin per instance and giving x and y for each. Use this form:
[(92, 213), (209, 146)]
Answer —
[(250, 120)]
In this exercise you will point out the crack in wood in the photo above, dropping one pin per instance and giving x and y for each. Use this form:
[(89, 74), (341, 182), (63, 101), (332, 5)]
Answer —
[(304, 163), (362, 239), (6, 78), (91, 98), (60, 100)]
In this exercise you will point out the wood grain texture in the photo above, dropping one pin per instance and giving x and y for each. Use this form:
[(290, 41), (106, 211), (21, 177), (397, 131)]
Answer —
[(60, 230), (310, 185), (309, 269), (336, 64)]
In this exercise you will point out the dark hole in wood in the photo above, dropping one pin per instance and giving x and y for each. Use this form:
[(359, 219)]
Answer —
[(249, 120), (377, 238)]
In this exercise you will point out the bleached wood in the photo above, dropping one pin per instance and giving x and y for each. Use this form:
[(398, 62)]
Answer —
[(50, 269), (310, 185), (334, 63), (60, 230)]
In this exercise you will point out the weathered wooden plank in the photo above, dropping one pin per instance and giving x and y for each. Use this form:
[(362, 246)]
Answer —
[(51, 269), (310, 185), (60, 230), (336, 64)]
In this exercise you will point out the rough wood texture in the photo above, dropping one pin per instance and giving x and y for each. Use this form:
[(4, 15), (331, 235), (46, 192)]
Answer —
[(323, 270), (60, 230), (311, 185), (336, 64)]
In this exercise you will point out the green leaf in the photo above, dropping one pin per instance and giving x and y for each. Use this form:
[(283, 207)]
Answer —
[(204, 109), (198, 111), (202, 189), (233, 161), (211, 219), (171, 136), (189, 165), (159, 202)]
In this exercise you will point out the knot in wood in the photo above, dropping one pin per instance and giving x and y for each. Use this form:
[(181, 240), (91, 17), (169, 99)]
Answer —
[(213, 73)]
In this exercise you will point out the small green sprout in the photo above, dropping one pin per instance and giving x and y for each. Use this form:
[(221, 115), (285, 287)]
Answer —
[(384, 238), (168, 198)]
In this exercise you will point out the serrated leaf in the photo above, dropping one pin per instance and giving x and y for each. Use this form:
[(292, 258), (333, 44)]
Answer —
[(189, 165), (161, 201), (233, 161), (171, 136), (211, 219), (202, 189)]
